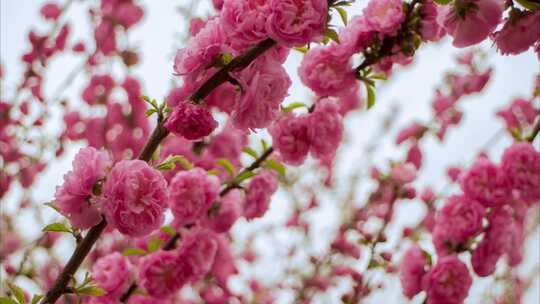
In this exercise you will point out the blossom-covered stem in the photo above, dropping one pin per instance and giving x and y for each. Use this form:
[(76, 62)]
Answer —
[(389, 42), (237, 63), (81, 251), (158, 135), (171, 243), (535, 131), (256, 164)]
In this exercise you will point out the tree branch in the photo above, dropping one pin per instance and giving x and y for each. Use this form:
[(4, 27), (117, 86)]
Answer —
[(157, 136), (81, 251)]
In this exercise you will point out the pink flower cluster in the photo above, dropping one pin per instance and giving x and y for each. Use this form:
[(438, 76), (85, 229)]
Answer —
[(191, 194), (112, 273), (446, 282), (114, 13), (73, 198), (163, 273), (134, 198), (320, 132)]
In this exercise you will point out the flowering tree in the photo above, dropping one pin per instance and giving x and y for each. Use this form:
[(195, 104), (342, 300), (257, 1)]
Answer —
[(157, 202)]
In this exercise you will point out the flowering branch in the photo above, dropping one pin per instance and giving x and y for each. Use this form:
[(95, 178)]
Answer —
[(158, 135)]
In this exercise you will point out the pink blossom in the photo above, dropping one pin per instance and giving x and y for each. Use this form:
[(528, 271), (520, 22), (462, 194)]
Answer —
[(9, 243), (454, 173), (430, 28), (50, 11), (486, 183), (230, 209), (191, 194), (497, 240), (199, 247), (134, 198), (351, 99), (356, 36), (459, 220), (403, 173), (201, 50), (245, 21), (384, 16), (471, 21), (98, 90), (448, 282), (519, 114), (112, 274), (224, 263), (427, 195), (258, 194), (413, 269), (469, 83), (325, 129), (265, 84), (519, 33), (326, 71), (191, 121), (127, 14), (290, 138), (521, 164), (296, 22), (346, 247), (73, 197), (228, 144), (415, 131), (414, 156), (163, 273), (105, 37)]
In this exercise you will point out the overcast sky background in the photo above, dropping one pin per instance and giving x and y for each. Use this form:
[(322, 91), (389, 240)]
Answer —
[(412, 88)]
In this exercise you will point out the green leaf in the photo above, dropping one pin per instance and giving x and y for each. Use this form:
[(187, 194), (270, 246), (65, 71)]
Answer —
[(170, 163), (250, 152), (342, 3), (226, 164), (330, 33), (342, 14), (56, 227), (370, 96), (302, 50), (52, 205), (17, 292), (213, 172), (264, 145), (428, 257), (374, 264), (91, 291), (36, 299), (149, 112), (6, 300), (168, 230), (295, 105), (276, 166), (380, 76), (442, 2), (227, 58), (133, 251), (154, 244), (529, 4), (244, 175), (184, 162)]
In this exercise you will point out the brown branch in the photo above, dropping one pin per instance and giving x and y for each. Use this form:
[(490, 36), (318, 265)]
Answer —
[(81, 251), (535, 131), (238, 63)]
